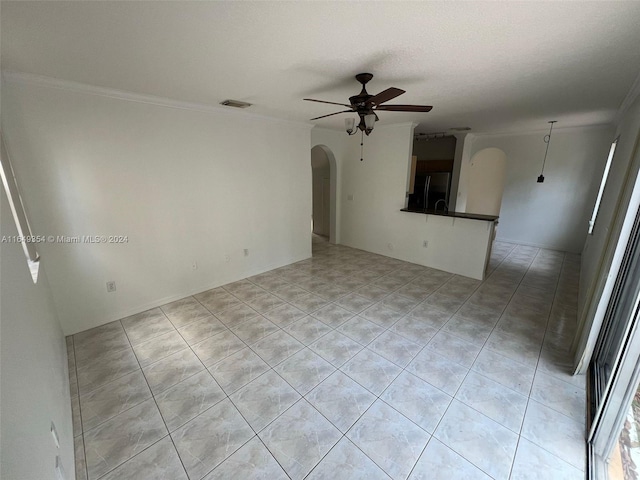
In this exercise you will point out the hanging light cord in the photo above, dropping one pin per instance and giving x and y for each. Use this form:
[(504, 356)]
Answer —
[(361, 144), (547, 140)]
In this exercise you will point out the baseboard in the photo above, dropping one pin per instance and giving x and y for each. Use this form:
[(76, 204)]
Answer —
[(533, 244), (105, 318)]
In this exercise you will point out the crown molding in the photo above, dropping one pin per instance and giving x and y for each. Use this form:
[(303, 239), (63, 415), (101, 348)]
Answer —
[(537, 131), (631, 96), (84, 88), (377, 127), (411, 125)]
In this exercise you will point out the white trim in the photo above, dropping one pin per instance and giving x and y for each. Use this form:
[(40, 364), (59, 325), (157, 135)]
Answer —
[(607, 275), (540, 130), (18, 212), (530, 244), (603, 183), (631, 96), (104, 318), (77, 87), (377, 127), (413, 125)]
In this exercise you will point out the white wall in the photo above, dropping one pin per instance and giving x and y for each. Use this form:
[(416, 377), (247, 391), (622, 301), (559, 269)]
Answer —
[(458, 197), (599, 248), (553, 214), (622, 171), (34, 382), (487, 173), (335, 145), (377, 186), (372, 220), (183, 185)]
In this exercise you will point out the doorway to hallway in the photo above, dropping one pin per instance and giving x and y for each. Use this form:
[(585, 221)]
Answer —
[(323, 174)]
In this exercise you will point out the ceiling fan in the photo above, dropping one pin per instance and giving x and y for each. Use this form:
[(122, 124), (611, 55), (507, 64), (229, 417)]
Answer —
[(366, 106)]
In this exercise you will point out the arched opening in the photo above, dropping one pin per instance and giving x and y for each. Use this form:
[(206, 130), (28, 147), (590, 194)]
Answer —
[(487, 175), (323, 169)]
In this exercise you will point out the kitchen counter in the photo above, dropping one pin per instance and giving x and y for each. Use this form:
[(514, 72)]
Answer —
[(456, 242), (443, 213)]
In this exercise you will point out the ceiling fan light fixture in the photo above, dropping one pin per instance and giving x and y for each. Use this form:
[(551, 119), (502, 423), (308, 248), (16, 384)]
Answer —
[(365, 106), (369, 122), (350, 125)]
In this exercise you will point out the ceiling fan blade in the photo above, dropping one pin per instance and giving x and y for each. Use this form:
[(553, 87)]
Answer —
[(405, 108), (385, 96), (330, 103), (344, 111)]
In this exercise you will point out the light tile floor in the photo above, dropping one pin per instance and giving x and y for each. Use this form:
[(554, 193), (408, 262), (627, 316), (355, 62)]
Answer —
[(348, 365)]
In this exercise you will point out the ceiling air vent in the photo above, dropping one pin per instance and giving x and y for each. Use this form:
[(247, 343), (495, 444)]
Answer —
[(235, 103)]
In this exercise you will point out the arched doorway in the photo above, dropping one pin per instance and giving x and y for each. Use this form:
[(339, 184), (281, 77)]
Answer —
[(487, 175), (323, 170)]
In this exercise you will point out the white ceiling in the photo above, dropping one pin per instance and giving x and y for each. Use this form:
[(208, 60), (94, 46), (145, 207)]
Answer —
[(492, 66)]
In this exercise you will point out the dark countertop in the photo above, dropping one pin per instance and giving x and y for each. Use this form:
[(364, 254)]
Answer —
[(442, 213)]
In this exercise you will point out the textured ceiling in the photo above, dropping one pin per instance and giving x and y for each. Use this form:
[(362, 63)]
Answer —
[(492, 66)]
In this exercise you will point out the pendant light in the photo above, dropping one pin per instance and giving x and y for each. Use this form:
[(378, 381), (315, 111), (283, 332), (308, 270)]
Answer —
[(547, 140)]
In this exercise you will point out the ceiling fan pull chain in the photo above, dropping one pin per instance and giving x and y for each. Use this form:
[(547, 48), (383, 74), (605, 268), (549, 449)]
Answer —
[(361, 144)]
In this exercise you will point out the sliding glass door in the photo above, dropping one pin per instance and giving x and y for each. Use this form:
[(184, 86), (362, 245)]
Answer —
[(614, 375)]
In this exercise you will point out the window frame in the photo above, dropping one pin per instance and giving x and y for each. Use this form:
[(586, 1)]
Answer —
[(18, 212), (603, 183)]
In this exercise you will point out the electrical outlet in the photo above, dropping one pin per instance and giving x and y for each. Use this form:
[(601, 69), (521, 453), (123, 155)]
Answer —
[(350, 197), (425, 244), (390, 246), (194, 266), (111, 286), (227, 258), (246, 252)]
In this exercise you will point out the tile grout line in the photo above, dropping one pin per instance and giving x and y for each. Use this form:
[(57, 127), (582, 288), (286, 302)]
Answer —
[(363, 346), (453, 397), (227, 396), (526, 408), (190, 376), (156, 404), (431, 435), (271, 368), (206, 368), (377, 397), (141, 369), (403, 369), (470, 369), (529, 399), (84, 450)]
